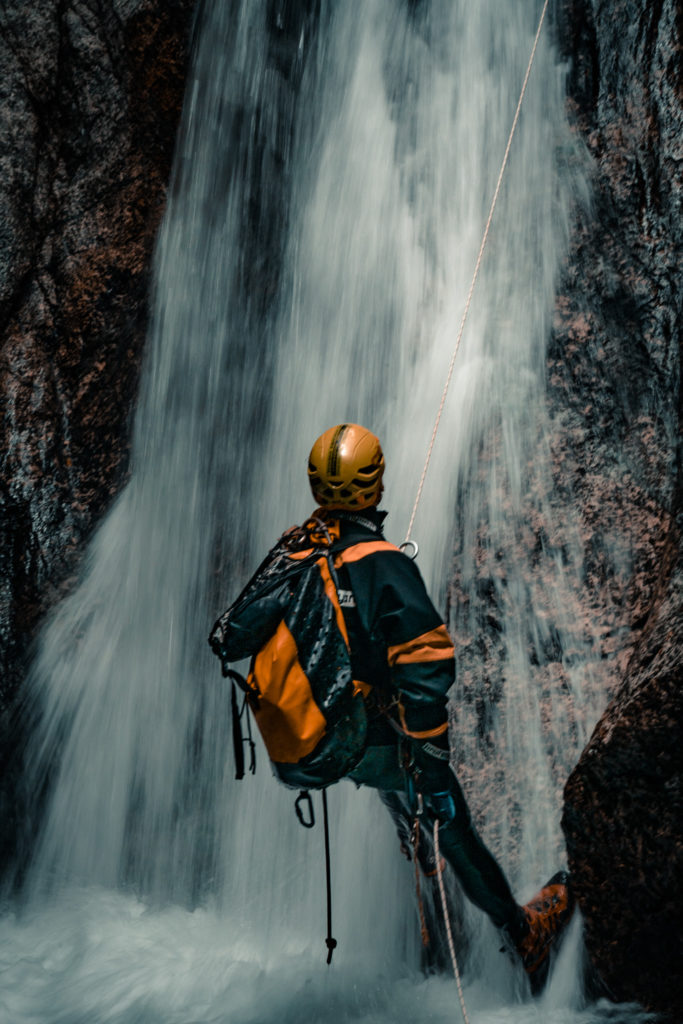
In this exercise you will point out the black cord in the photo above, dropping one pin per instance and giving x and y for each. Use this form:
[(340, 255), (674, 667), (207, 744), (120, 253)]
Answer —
[(250, 738), (330, 942), (237, 740)]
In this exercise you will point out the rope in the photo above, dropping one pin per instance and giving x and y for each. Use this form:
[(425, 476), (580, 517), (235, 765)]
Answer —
[(415, 840), (476, 273), (447, 919)]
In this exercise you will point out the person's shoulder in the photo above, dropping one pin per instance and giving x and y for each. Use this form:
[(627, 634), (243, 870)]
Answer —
[(372, 547), (379, 557)]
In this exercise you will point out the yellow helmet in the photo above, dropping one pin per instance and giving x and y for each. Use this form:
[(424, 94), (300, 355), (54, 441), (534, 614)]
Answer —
[(345, 468)]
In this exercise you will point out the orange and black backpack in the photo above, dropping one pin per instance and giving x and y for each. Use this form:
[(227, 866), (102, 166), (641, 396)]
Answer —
[(300, 685)]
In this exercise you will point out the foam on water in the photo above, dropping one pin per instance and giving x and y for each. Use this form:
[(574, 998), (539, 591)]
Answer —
[(160, 890), (101, 957)]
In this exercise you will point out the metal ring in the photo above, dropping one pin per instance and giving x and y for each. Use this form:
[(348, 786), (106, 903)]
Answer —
[(410, 543)]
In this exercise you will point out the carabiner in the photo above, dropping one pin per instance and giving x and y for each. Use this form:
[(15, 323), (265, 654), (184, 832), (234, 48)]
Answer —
[(304, 798), (409, 544)]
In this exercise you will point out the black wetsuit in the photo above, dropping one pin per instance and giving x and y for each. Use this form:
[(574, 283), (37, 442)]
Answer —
[(401, 650)]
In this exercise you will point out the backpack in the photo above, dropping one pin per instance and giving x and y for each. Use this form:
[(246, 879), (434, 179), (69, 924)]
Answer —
[(300, 685)]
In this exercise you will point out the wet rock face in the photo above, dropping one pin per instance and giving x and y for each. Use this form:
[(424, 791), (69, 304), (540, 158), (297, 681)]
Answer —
[(623, 815), (608, 513), (615, 385), (90, 97)]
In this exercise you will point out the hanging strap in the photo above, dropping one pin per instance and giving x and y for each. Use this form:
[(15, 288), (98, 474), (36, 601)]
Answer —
[(330, 942), (238, 740), (303, 805)]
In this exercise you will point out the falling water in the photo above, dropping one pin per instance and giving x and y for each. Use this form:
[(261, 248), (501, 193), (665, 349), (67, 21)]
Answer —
[(329, 196)]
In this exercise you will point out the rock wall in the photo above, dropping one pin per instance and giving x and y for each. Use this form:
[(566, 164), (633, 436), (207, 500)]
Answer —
[(90, 97), (615, 383), (624, 813), (608, 623)]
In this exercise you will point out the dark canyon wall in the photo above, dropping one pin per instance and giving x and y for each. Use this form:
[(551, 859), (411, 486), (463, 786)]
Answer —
[(608, 512), (90, 97), (89, 103), (616, 387)]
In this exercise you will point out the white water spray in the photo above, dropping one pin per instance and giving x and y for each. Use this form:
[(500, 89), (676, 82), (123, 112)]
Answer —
[(312, 267)]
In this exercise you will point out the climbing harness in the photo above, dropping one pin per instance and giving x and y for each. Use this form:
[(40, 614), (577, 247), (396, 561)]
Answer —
[(447, 919), (476, 273)]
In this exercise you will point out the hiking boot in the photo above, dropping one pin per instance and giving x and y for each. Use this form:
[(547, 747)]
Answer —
[(546, 916)]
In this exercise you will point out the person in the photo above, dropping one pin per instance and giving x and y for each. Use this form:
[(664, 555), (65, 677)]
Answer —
[(401, 650), (395, 651)]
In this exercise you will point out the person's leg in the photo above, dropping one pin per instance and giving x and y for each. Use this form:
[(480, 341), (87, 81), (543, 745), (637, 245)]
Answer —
[(381, 769), (531, 931), (474, 865)]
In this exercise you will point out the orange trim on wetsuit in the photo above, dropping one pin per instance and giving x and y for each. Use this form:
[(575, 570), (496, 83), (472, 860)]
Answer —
[(435, 645), (420, 734), (355, 552)]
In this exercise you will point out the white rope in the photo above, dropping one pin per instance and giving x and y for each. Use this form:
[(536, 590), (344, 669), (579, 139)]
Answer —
[(447, 919), (476, 273)]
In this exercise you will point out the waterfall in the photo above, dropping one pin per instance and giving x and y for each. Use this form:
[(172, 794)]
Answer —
[(328, 201)]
